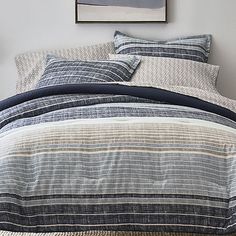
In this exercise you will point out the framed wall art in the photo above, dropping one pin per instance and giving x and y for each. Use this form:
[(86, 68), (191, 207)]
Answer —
[(110, 11)]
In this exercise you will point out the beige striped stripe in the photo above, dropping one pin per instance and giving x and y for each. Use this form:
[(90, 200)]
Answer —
[(129, 133), (108, 127), (127, 122), (76, 132), (62, 141), (59, 137), (153, 129), (117, 127)]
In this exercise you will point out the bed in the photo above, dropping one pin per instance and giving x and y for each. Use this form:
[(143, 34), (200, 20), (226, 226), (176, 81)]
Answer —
[(129, 157)]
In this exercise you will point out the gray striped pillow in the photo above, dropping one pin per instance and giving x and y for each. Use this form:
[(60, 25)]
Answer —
[(61, 71), (195, 48)]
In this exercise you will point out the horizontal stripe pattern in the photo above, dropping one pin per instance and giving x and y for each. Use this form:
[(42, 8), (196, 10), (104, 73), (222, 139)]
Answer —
[(73, 163), (97, 191), (61, 71), (72, 107), (196, 48)]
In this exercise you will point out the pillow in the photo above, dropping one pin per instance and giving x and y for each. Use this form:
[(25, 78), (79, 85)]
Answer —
[(61, 71), (159, 72), (196, 48), (31, 65)]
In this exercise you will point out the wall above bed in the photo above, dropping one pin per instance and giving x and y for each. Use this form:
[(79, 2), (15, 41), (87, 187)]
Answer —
[(28, 25)]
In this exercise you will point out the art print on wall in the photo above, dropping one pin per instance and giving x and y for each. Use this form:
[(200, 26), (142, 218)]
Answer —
[(121, 11)]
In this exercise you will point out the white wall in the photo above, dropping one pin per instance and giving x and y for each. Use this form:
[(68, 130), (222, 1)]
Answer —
[(34, 24)]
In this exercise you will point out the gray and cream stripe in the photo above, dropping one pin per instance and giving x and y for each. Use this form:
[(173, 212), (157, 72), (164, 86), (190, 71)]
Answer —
[(129, 173), (196, 48)]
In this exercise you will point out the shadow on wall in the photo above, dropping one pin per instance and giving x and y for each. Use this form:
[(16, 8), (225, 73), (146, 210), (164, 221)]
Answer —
[(171, 6)]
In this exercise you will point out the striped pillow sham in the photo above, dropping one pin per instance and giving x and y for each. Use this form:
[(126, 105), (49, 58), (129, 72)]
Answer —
[(61, 71), (30, 65), (195, 48)]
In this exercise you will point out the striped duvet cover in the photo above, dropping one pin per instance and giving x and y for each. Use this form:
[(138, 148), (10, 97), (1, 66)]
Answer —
[(115, 165)]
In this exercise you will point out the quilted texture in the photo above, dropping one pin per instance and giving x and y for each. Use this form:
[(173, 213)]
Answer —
[(31, 65), (157, 71)]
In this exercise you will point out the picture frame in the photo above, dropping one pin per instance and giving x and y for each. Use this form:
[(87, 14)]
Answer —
[(120, 11)]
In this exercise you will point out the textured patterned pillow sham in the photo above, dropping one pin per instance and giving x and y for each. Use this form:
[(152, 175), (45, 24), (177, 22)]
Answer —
[(31, 65), (196, 48), (159, 72), (61, 71)]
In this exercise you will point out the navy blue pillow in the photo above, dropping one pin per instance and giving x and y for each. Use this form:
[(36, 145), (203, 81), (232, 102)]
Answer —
[(196, 48), (61, 71)]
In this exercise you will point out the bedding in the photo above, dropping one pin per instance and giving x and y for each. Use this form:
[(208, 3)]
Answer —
[(30, 65), (110, 159), (62, 71), (158, 71), (196, 48)]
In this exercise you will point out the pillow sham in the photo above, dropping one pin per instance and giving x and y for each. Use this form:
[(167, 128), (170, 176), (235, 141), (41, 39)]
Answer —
[(30, 65), (158, 72), (196, 48), (61, 71)]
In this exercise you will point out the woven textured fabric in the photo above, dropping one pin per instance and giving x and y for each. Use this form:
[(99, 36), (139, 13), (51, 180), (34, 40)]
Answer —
[(108, 163), (61, 71), (157, 71), (196, 48), (103, 233), (31, 65)]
